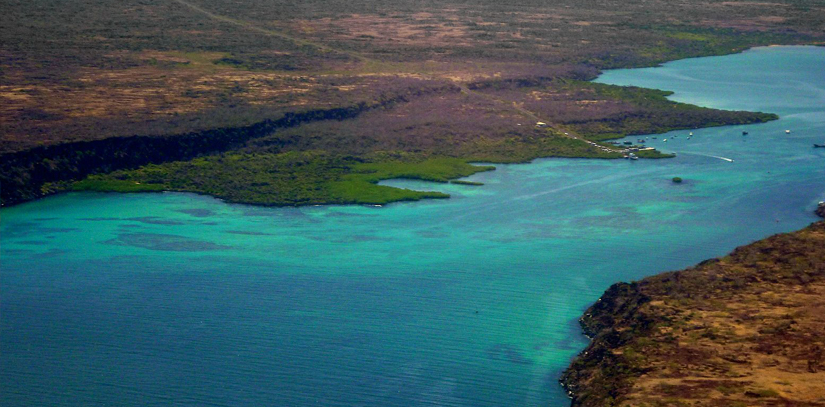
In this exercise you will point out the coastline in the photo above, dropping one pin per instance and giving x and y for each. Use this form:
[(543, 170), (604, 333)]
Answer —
[(469, 92), (259, 106), (741, 330), (43, 171)]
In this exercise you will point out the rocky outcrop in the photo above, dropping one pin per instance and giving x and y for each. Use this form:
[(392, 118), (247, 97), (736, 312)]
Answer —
[(599, 375), (746, 329)]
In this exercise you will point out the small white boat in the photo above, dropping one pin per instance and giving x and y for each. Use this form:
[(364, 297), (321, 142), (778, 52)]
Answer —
[(787, 132)]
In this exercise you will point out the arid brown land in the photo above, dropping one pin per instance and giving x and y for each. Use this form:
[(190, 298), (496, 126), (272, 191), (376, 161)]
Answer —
[(460, 79), (747, 329)]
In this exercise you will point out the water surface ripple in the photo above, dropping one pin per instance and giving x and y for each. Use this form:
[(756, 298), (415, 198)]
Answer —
[(178, 299)]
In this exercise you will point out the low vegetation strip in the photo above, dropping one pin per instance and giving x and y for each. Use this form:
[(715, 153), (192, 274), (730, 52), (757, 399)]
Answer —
[(289, 179), (36, 172), (747, 329), (25, 174)]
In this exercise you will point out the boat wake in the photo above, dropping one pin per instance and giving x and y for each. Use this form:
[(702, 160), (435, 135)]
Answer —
[(711, 156)]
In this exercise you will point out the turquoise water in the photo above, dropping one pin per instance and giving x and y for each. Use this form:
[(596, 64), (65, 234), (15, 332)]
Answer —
[(179, 299)]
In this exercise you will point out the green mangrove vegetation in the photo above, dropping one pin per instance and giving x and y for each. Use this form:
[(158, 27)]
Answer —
[(291, 178)]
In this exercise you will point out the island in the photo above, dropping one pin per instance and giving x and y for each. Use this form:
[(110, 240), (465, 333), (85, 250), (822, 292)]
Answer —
[(271, 104), (747, 329)]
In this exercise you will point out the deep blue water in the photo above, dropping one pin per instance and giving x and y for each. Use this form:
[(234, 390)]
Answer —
[(179, 299)]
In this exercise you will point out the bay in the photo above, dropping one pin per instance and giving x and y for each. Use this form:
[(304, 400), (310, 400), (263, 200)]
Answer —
[(180, 299)]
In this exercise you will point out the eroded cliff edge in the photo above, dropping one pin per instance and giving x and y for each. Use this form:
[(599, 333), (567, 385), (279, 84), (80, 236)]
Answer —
[(747, 329)]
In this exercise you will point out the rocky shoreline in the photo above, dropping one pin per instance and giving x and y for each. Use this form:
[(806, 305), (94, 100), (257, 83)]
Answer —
[(747, 329)]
